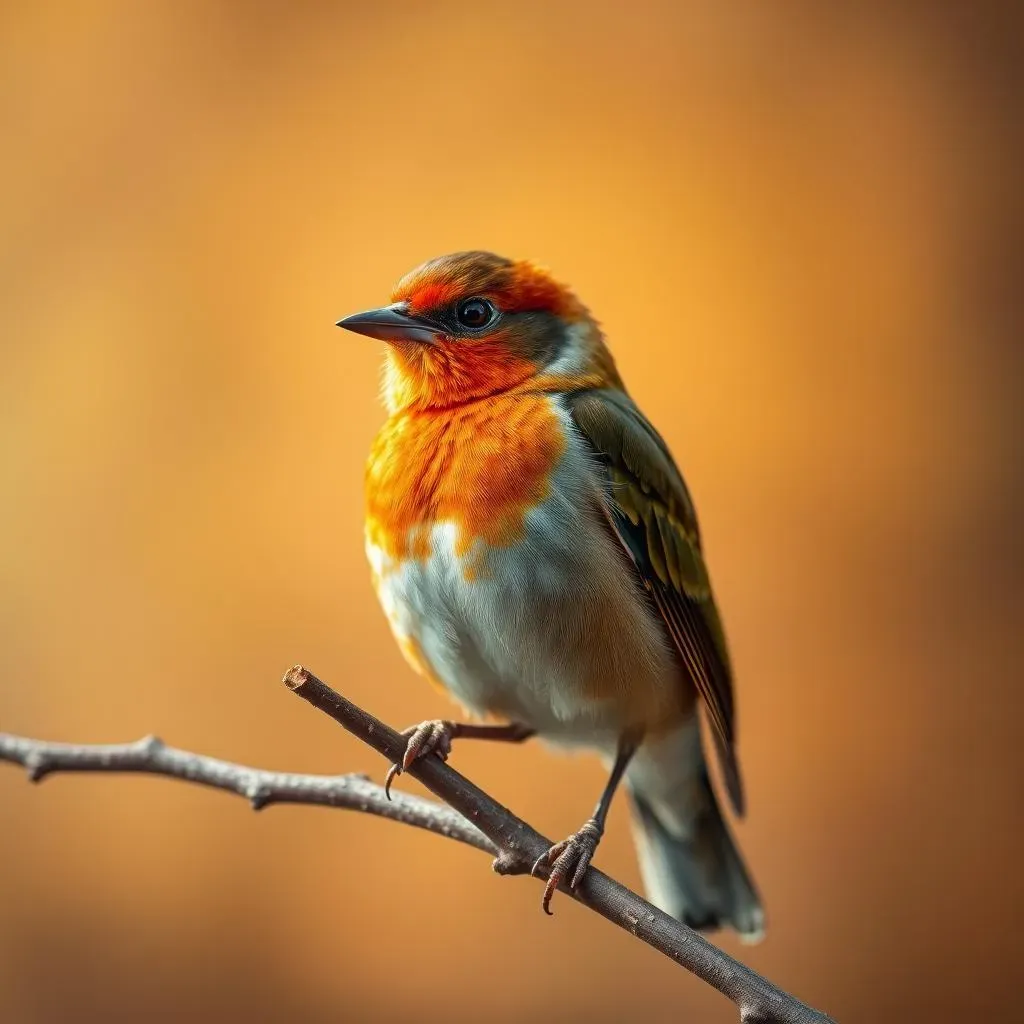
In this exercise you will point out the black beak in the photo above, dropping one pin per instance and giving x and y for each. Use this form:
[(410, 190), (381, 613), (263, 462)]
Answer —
[(392, 324)]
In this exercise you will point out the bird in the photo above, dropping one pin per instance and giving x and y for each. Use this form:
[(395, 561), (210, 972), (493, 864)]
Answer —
[(537, 555)]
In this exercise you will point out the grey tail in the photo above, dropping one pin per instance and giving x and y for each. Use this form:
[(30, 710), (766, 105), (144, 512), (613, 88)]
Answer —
[(696, 873)]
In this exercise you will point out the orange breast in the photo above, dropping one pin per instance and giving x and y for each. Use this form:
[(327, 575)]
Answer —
[(481, 467)]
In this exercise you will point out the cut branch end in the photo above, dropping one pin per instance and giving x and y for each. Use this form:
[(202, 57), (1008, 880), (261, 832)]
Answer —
[(295, 678)]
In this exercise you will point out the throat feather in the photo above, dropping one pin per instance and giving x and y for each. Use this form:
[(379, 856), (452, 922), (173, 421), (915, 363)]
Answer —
[(480, 467)]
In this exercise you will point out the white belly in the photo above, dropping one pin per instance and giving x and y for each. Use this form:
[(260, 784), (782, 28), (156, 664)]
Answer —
[(551, 632)]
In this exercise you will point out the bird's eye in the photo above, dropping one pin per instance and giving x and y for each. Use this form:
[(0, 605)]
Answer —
[(475, 313)]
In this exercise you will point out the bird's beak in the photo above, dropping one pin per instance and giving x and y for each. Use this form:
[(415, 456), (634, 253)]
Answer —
[(392, 323)]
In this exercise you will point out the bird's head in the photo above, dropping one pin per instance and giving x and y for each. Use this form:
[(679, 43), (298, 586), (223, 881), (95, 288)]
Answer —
[(472, 324)]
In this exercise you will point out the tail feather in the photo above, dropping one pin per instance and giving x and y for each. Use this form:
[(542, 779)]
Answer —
[(689, 861)]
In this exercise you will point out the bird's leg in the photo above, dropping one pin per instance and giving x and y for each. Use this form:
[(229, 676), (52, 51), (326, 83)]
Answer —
[(435, 737), (570, 858)]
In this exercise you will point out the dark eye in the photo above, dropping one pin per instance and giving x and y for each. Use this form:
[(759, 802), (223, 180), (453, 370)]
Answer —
[(475, 313)]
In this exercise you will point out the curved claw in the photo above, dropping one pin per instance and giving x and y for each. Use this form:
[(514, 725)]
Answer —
[(549, 856), (393, 772), (568, 859), (415, 747), (552, 883), (430, 737), (549, 892)]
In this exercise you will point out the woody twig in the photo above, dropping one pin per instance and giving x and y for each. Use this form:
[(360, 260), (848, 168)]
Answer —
[(467, 814)]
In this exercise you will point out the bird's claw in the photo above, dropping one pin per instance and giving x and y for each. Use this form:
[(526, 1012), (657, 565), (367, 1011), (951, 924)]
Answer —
[(431, 737), (569, 860)]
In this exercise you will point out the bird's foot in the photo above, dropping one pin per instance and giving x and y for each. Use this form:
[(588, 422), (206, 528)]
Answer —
[(569, 860), (431, 737)]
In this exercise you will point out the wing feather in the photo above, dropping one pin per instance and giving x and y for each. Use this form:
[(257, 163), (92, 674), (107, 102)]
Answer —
[(651, 513)]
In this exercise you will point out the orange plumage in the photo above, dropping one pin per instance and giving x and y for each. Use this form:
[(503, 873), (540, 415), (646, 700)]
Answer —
[(481, 466)]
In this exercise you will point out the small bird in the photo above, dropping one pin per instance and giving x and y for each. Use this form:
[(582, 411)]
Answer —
[(537, 555)]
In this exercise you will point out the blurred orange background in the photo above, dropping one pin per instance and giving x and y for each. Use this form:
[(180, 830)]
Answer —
[(797, 223)]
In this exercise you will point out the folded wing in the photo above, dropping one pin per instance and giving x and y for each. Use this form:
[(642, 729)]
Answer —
[(650, 511)]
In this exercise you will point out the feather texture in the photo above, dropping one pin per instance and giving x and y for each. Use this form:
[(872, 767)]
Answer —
[(652, 514)]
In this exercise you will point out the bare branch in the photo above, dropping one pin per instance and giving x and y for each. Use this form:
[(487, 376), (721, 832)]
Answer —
[(261, 788), (757, 999), (471, 817)]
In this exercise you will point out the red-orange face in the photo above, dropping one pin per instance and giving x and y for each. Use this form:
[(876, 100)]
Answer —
[(440, 285), (469, 325)]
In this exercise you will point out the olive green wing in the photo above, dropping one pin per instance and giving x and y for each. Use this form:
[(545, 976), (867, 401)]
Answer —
[(650, 512)]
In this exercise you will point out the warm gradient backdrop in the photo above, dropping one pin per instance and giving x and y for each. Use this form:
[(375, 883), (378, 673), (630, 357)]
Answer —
[(797, 222)]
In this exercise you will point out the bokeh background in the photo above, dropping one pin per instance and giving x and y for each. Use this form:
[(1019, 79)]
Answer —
[(798, 223)]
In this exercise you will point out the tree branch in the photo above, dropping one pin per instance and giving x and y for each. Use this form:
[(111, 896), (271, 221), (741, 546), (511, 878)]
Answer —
[(471, 816), (260, 787)]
